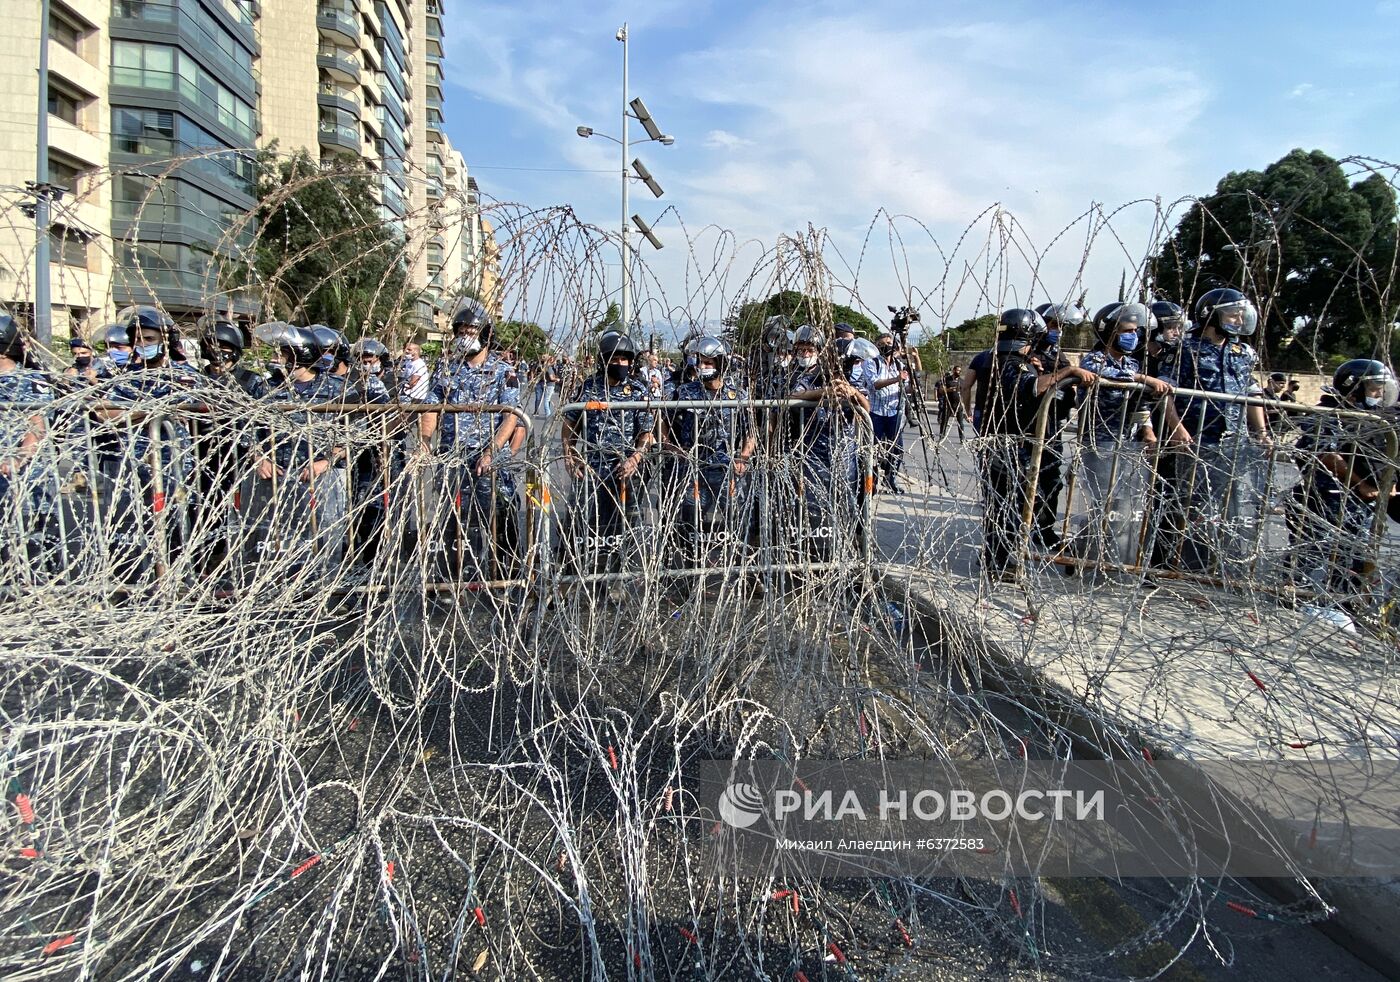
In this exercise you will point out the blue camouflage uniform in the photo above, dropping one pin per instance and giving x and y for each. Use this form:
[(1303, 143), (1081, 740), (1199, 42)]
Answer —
[(1330, 525), (476, 525), (26, 496), (19, 385), (371, 464), (301, 440), (711, 439), (603, 503), (820, 435), (1115, 465), (1219, 482), (123, 450), (464, 437)]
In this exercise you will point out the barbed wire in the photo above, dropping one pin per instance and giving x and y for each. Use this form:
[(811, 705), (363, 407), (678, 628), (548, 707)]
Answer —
[(349, 725)]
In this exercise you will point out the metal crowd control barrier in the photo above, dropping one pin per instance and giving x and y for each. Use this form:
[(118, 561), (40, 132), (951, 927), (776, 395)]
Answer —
[(1149, 525), (533, 551), (128, 521), (865, 447)]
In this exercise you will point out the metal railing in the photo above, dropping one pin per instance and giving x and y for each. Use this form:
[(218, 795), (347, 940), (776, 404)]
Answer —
[(1177, 532), (758, 537)]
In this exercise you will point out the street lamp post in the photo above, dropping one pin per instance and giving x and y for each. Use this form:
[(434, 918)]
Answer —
[(43, 308), (635, 109)]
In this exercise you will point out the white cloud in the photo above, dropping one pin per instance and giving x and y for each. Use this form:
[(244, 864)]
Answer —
[(1300, 90), (724, 140), (827, 119)]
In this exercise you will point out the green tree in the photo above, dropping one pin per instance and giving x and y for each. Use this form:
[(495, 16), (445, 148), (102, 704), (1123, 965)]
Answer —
[(526, 338), (1315, 252), (323, 253), (612, 320), (747, 324)]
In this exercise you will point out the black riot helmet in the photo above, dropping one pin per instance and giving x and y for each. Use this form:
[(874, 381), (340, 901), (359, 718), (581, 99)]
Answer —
[(1103, 312), (369, 348), (807, 334), (148, 318), (470, 314), (1170, 317), (711, 349), (223, 334), (298, 343), (857, 351), (331, 342), (1017, 328), (777, 334), (1131, 318), (1228, 311), (612, 347), (116, 334), (614, 344), (1350, 380), (11, 338)]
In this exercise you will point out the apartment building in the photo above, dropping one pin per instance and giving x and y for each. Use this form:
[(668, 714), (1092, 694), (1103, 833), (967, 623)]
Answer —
[(80, 269), (155, 111)]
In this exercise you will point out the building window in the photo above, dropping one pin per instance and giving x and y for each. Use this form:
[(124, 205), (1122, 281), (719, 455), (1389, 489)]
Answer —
[(63, 173), (66, 31), (158, 66), (63, 105), (67, 246)]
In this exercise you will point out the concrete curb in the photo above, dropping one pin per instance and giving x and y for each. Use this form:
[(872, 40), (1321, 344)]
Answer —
[(1367, 922)]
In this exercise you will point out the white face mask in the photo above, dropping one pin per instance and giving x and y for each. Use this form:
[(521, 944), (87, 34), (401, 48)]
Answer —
[(708, 371), (806, 361), (1372, 402), (466, 347)]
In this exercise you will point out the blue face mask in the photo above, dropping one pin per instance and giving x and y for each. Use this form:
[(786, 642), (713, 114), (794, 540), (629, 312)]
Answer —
[(326, 363), (1128, 342), (119, 358), (148, 352), (1052, 337)]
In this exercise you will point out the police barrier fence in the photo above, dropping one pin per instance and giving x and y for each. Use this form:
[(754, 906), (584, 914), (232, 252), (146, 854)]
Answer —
[(345, 498), (202, 495), (1290, 499), (798, 500)]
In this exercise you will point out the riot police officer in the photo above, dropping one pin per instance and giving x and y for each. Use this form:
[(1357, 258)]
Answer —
[(132, 492), (1220, 479), (1115, 437), (481, 526), (1013, 394), (26, 496), (822, 460), (300, 473), (116, 342), (223, 346), (1046, 356), (373, 466), (603, 451), (717, 443), (1342, 461)]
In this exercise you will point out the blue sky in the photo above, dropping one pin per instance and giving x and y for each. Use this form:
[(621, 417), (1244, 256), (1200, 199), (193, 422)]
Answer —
[(790, 114)]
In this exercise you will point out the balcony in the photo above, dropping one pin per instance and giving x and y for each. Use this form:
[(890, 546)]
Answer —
[(339, 138), (434, 188), (332, 96), (338, 22), (435, 134), (434, 101), (339, 62)]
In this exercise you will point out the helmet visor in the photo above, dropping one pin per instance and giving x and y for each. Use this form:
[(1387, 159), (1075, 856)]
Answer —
[(1238, 318)]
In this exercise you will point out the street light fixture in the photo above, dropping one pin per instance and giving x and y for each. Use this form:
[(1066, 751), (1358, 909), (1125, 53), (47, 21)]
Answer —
[(647, 179), (646, 231), (636, 109)]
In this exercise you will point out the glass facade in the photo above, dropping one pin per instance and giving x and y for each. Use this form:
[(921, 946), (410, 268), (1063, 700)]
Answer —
[(184, 119)]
